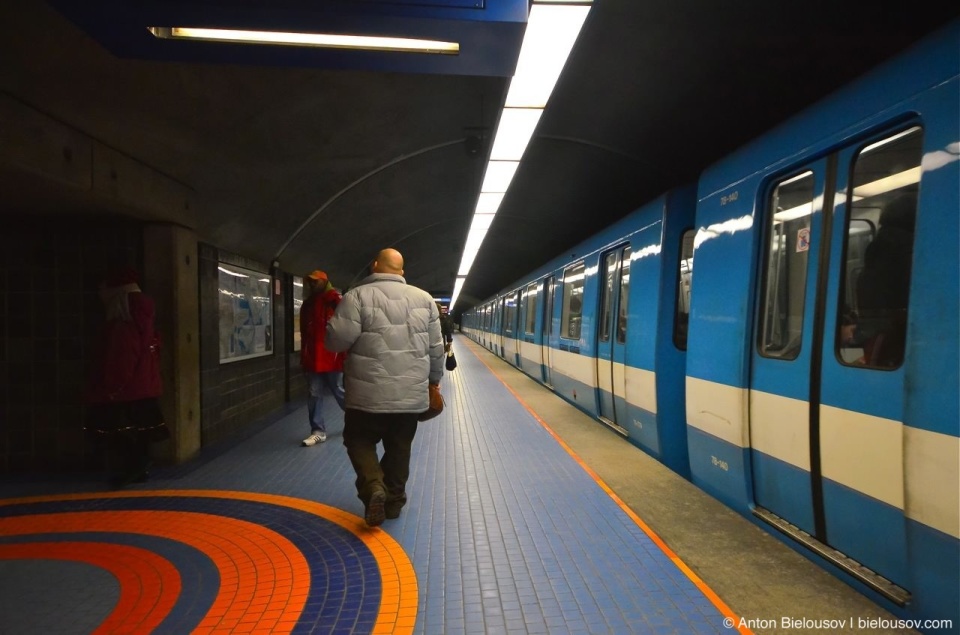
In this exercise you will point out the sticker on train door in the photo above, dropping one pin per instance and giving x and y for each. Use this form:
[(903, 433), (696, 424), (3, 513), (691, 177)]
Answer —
[(803, 239)]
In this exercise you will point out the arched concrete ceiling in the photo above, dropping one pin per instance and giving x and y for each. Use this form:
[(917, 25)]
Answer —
[(324, 159)]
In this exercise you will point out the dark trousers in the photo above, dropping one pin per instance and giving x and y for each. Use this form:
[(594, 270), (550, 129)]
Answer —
[(128, 452), (123, 431), (362, 431)]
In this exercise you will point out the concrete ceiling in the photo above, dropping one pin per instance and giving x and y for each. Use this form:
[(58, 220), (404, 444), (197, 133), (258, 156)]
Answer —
[(321, 160)]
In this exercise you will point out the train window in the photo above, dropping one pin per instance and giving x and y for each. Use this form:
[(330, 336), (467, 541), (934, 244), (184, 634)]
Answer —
[(785, 267), (570, 320), (531, 323), (682, 313), (606, 295), (624, 296), (509, 313), (872, 324)]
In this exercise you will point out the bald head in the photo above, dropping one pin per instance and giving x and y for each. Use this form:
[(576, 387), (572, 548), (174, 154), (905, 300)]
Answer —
[(388, 261)]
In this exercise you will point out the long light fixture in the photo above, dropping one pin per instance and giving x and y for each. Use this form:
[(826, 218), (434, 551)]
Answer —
[(552, 29), (319, 40)]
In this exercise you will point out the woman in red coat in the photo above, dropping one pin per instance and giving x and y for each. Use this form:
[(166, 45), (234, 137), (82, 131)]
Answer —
[(123, 410), (320, 366)]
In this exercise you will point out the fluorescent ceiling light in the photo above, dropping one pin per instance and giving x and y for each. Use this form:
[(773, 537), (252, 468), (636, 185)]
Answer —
[(488, 202), (889, 183), (552, 29), (232, 273), (458, 285), (481, 222), (470, 250), (498, 176), (551, 33), (469, 255), (514, 132), (474, 239), (321, 40), (883, 142), (806, 209)]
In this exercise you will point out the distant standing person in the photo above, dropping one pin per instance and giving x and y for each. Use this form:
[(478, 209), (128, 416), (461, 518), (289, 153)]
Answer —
[(392, 333), (321, 367), (446, 327), (123, 409)]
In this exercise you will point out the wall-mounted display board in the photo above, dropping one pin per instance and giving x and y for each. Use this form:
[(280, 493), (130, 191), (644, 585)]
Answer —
[(246, 313)]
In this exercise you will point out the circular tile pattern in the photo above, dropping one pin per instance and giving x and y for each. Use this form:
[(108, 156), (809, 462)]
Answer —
[(281, 564)]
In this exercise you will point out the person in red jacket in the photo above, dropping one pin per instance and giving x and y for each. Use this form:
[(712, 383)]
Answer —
[(320, 366), (123, 409)]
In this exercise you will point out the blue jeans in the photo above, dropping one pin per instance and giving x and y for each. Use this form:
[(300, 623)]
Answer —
[(315, 384)]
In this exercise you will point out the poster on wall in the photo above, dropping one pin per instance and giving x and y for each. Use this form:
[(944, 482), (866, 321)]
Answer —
[(246, 313), (297, 303)]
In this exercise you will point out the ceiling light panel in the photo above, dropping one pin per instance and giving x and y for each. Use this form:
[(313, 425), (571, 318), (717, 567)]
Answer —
[(498, 176), (320, 40), (488, 202), (551, 32), (481, 222), (514, 132)]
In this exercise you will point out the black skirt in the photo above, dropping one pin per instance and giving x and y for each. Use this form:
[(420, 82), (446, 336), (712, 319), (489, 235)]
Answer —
[(141, 416)]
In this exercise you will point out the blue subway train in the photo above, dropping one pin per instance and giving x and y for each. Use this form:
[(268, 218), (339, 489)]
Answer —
[(805, 372)]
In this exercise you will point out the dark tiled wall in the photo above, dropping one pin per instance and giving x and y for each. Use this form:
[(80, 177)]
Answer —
[(298, 386), (49, 318), (236, 394)]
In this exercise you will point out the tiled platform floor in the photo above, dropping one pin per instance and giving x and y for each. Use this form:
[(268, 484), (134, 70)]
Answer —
[(507, 530)]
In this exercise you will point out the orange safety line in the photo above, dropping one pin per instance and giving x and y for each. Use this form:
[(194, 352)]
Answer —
[(700, 584), (400, 590), (260, 570), (149, 583)]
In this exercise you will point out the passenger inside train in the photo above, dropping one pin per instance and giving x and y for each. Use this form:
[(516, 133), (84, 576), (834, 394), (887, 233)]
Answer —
[(883, 287)]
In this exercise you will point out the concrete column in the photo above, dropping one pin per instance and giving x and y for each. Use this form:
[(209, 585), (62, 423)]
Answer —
[(170, 276)]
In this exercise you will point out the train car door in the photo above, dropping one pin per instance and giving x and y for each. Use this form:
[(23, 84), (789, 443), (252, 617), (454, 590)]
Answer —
[(488, 326), (827, 383), (500, 317), (530, 357), (546, 329), (611, 336), (780, 386), (523, 309), (511, 330)]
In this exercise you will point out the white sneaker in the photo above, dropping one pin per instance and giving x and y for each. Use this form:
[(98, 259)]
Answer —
[(315, 438)]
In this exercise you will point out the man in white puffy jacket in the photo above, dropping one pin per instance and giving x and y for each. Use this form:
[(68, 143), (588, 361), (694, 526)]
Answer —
[(392, 333)]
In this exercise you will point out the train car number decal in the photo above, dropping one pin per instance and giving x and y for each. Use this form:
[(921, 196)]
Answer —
[(729, 198), (723, 465)]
